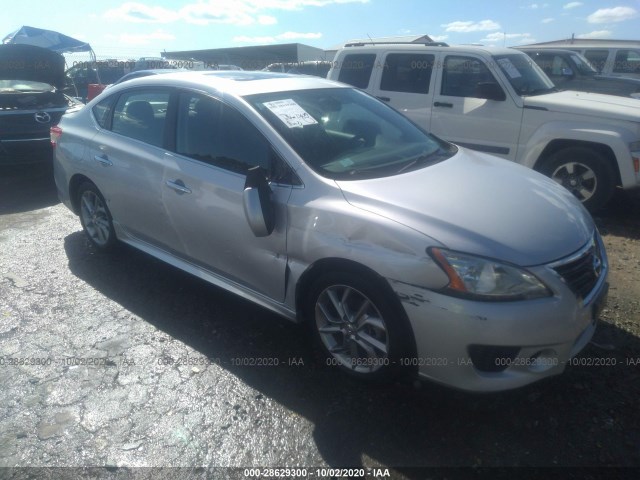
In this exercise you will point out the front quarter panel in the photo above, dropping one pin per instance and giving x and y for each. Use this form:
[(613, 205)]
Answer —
[(537, 134), (328, 227)]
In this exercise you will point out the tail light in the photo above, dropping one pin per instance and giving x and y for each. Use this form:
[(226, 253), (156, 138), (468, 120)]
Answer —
[(56, 133)]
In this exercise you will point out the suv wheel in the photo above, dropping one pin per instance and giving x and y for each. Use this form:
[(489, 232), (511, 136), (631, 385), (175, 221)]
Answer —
[(95, 217), (585, 173), (357, 326)]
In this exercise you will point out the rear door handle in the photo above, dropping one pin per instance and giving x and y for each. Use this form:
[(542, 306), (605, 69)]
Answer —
[(384, 99), (103, 159), (443, 104), (178, 186)]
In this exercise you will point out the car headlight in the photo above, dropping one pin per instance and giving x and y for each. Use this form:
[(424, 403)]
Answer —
[(481, 278)]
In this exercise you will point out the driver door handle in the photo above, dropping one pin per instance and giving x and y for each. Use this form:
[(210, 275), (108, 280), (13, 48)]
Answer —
[(443, 104), (178, 186)]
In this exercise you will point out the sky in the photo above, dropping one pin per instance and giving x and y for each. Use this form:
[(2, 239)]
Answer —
[(134, 29)]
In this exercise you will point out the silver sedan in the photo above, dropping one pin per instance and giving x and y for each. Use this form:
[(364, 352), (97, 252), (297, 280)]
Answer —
[(406, 254)]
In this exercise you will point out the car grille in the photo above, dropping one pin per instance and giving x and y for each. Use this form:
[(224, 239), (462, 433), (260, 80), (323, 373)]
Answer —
[(582, 273)]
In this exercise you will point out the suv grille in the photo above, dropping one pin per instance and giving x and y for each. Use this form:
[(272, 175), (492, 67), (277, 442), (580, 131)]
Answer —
[(582, 273)]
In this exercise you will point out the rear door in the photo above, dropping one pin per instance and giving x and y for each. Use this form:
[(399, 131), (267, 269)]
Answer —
[(405, 82), (459, 116), (127, 162)]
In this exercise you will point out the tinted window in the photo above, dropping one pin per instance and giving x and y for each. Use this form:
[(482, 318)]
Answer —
[(597, 58), (407, 72), (101, 111), (356, 69), (462, 75), (141, 115), (553, 65), (627, 61), (215, 133)]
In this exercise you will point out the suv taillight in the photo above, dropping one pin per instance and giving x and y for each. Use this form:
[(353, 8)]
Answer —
[(56, 133)]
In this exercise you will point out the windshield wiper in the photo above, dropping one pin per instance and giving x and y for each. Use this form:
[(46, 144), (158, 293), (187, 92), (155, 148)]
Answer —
[(429, 157), (540, 91)]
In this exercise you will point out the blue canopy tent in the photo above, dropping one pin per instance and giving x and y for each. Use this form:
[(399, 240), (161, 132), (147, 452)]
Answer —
[(48, 39), (57, 42)]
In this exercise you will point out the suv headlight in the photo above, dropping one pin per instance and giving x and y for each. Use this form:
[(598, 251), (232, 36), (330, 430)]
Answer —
[(485, 279)]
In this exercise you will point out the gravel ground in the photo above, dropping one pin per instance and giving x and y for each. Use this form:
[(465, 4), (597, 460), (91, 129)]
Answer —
[(162, 381)]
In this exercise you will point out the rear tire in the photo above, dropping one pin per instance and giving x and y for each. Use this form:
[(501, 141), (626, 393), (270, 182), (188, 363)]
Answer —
[(584, 172), (95, 217), (358, 327)]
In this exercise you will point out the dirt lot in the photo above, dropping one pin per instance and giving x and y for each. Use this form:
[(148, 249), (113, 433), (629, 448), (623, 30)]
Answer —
[(60, 297)]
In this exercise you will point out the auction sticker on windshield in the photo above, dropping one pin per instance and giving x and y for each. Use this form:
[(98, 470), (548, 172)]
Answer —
[(292, 114)]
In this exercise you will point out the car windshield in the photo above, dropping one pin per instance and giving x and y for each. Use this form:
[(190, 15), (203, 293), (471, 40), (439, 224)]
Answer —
[(525, 76), (583, 65), (9, 86), (343, 133)]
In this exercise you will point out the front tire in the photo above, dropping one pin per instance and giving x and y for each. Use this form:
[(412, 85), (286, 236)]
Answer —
[(95, 217), (358, 326), (585, 173)]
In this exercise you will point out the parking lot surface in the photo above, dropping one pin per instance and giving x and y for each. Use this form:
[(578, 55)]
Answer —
[(121, 360)]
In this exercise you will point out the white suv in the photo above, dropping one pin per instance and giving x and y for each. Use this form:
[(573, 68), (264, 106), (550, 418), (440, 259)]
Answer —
[(498, 101)]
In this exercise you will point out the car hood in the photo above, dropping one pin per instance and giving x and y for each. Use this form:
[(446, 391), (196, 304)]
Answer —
[(482, 205), (30, 63), (583, 103), (623, 81)]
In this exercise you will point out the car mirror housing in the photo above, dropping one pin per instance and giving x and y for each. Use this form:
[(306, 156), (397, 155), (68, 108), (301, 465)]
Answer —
[(259, 209)]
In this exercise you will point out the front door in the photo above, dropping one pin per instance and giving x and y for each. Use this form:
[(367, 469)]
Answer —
[(203, 195), (459, 116)]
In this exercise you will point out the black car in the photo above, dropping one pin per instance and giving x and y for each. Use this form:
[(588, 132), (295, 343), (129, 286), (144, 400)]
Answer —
[(569, 70), (31, 101)]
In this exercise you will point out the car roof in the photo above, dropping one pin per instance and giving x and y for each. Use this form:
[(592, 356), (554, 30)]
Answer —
[(563, 51), (235, 82), (421, 46)]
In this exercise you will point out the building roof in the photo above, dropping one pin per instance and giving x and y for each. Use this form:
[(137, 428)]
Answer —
[(587, 42), (253, 57), (402, 39)]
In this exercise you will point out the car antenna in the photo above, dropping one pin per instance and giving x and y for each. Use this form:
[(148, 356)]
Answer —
[(372, 42)]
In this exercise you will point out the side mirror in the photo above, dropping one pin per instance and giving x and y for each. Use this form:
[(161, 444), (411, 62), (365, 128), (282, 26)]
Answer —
[(490, 91), (257, 202)]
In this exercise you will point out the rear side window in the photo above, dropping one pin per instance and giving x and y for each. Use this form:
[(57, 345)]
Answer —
[(101, 111), (407, 72), (356, 69), (627, 61), (141, 115), (597, 58)]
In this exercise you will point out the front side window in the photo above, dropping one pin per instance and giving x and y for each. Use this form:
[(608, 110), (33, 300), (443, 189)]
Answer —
[(407, 72), (462, 76), (356, 69), (215, 133), (343, 133)]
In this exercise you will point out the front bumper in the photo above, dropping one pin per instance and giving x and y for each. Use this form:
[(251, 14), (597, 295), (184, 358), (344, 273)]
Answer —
[(492, 346)]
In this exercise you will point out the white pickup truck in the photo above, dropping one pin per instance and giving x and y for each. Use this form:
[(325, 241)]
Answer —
[(498, 101)]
